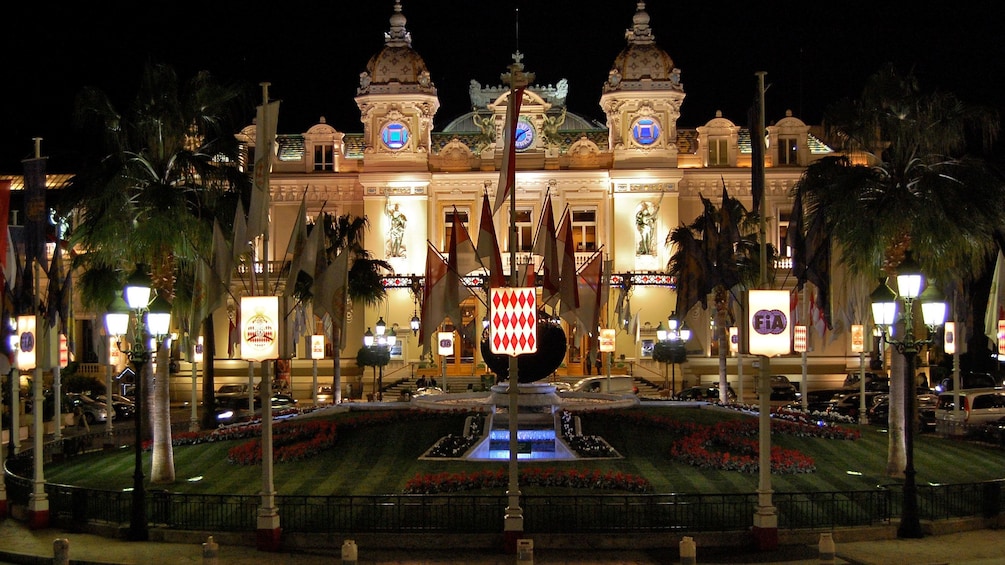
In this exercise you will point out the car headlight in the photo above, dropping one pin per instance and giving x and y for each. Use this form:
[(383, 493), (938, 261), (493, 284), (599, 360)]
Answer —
[(225, 415)]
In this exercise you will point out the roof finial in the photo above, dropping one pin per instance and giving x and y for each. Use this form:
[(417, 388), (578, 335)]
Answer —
[(398, 36), (640, 32)]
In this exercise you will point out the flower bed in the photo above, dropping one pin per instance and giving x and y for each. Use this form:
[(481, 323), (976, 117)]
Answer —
[(733, 445), (294, 440), (437, 483)]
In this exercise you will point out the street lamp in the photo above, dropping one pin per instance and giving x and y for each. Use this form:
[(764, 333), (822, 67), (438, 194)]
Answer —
[(884, 307), (152, 319), (380, 347), (672, 348)]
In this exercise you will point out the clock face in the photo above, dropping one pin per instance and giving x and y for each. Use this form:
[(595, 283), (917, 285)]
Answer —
[(524, 135), (394, 135), (646, 131)]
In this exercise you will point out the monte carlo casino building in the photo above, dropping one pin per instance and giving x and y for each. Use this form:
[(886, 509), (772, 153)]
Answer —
[(410, 180)]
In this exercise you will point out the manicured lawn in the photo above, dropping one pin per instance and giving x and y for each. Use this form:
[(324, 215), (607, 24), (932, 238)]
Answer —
[(382, 458)]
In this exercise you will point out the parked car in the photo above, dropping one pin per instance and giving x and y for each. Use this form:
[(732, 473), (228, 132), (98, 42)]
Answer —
[(850, 404), (873, 382), (705, 392), (280, 401), (977, 406), (968, 380), (782, 388), (94, 411), (879, 412), (620, 384), (817, 400), (428, 391), (325, 395), (124, 407)]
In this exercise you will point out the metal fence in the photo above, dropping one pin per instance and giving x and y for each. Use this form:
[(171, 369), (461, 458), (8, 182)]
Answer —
[(72, 506)]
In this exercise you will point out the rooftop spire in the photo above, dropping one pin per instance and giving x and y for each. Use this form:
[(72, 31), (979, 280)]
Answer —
[(398, 36), (640, 32)]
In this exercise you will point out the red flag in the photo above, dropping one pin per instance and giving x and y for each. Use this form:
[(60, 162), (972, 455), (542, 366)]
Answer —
[(434, 293), (568, 289), (488, 246), (507, 173), (463, 257), (546, 245)]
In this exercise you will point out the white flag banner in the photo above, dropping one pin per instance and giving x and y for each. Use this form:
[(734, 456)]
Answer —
[(769, 325)]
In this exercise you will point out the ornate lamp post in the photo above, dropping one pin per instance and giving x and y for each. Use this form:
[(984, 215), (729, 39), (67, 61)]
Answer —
[(151, 319), (884, 308)]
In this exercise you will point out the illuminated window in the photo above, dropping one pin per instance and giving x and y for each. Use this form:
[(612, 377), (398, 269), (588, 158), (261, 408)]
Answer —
[(788, 151), (524, 230), (718, 151), (324, 157), (448, 224), (584, 229)]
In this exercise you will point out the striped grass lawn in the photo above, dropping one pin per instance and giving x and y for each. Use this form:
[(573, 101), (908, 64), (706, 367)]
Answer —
[(381, 459)]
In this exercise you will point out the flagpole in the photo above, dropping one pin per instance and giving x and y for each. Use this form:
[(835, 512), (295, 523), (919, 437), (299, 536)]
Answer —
[(38, 500), (765, 528), (268, 514), (513, 520)]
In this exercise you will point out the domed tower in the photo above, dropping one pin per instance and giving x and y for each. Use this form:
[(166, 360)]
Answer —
[(397, 101), (642, 99)]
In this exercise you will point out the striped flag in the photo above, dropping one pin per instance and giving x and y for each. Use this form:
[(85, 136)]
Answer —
[(434, 294), (507, 172), (331, 293)]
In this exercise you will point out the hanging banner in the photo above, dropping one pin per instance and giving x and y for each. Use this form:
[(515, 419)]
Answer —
[(513, 327), (1001, 337), (607, 338), (445, 343), (26, 343), (799, 340), (768, 324), (317, 347), (734, 340), (259, 328), (197, 352), (857, 338), (64, 351), (949, 339)]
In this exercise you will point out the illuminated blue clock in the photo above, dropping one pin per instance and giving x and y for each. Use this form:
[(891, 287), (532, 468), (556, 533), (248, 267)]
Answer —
[(394, 135), (646, 131), (524, 135)]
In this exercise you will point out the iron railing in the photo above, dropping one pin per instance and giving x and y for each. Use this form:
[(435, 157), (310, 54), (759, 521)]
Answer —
[(477, 513)]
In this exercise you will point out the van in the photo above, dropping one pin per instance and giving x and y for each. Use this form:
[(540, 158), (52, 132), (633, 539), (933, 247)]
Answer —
[(620, 384), (977, 406)]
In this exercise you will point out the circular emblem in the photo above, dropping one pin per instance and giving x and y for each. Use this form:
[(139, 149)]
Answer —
[(394, 135), (770, 322), (27, 342), (524, 137)]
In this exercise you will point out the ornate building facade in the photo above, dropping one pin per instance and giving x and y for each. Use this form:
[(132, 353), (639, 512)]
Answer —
[(626, 183)]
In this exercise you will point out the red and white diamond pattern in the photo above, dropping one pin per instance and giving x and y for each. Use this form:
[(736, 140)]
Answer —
[(513, 327)]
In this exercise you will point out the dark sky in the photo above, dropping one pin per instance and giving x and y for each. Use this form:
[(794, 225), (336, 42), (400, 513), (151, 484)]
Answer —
[(312, 52)]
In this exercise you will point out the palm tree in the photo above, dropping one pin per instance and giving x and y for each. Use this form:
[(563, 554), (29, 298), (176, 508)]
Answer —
[(718, 253), (364, 286), (907, 184), (150, 180)]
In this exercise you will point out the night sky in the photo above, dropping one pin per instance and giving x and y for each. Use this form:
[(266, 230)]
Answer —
[(813, 53)]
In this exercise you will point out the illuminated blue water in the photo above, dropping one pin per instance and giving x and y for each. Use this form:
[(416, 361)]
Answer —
[(536, 444)]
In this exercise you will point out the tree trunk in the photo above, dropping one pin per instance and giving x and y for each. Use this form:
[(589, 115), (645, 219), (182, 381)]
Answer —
[(162, 460), (337, 366), (721, 303), (896, 450), (208, 375)]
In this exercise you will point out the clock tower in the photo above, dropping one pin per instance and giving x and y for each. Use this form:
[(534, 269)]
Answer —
[(397, 101)]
